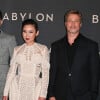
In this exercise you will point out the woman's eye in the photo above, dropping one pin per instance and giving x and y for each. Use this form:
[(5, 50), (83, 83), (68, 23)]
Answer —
[(24, 31)]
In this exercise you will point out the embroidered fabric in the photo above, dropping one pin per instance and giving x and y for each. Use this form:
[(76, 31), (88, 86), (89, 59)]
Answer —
[(23, 81)]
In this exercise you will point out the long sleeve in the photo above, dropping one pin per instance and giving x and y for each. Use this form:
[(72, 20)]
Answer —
[(45, 72), (11, 74), (52, 73), (12, 44), (94, 66)]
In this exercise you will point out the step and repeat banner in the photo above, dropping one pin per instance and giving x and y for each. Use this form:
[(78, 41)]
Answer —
[(50, 16)]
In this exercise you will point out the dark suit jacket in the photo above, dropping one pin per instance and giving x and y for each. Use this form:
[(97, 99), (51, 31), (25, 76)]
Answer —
[(84, 71)]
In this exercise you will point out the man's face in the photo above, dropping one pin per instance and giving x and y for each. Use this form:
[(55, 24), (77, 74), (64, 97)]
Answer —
[(73, 23)]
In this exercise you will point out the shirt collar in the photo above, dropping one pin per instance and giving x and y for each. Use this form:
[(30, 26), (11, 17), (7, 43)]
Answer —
[(75, 41)]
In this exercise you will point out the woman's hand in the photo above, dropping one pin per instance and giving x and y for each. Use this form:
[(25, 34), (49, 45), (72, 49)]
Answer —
[(42, 98), (52, 98), (5, 98)]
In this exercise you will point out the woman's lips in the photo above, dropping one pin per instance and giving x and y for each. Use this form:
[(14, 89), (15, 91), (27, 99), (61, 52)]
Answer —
[(27, 38)]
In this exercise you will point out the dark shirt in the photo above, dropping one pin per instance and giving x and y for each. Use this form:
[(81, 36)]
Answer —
[(71, 49)]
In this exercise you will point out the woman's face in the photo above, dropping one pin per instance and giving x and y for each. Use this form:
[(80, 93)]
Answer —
[(29, 33)]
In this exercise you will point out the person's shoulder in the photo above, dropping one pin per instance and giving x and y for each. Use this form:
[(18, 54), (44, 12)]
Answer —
[(89, 41), (18, 47), (58, 42), (41, 46), (8, 36)]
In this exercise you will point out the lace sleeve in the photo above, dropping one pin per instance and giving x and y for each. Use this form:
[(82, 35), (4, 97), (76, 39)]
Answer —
[(45, 72), (11, 73)]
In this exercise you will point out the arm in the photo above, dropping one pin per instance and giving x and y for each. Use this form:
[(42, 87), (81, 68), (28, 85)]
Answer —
[(12, 44), (11, 74), (52, 74), (94, 69), (45, 73)]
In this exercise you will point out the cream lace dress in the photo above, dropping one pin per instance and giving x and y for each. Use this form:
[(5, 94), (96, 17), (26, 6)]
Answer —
[(24, 80)]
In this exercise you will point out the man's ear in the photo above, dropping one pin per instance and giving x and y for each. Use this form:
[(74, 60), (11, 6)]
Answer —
[(37, 33), (81, 24)]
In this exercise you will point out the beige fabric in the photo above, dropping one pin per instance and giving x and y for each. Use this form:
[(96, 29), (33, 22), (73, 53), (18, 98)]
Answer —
[(26, 84)]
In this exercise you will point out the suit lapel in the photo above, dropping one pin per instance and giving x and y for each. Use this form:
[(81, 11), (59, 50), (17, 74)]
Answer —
[(1, 39), (65, 53), (79, 48), (2, 34)]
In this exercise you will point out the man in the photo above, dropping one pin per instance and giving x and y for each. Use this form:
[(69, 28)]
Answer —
[(74, 64), (7, 44)]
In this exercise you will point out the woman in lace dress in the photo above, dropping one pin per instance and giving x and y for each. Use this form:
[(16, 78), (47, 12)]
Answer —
[(28, 75)]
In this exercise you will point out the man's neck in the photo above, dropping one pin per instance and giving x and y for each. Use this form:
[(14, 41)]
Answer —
[(72, 37)]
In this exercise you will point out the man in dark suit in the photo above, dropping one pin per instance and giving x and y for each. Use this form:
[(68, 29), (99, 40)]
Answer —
[(7, 44), (74, 64)]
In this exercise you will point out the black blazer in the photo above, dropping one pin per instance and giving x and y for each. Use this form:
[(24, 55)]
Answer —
[(84, 71)]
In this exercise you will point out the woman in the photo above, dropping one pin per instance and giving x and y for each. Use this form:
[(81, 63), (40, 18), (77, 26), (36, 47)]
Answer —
[(28, 75)]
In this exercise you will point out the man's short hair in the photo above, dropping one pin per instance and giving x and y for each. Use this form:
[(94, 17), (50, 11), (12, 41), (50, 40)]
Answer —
[(73, 11)]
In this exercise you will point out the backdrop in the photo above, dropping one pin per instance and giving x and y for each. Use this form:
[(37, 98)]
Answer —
[(50, 17)]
